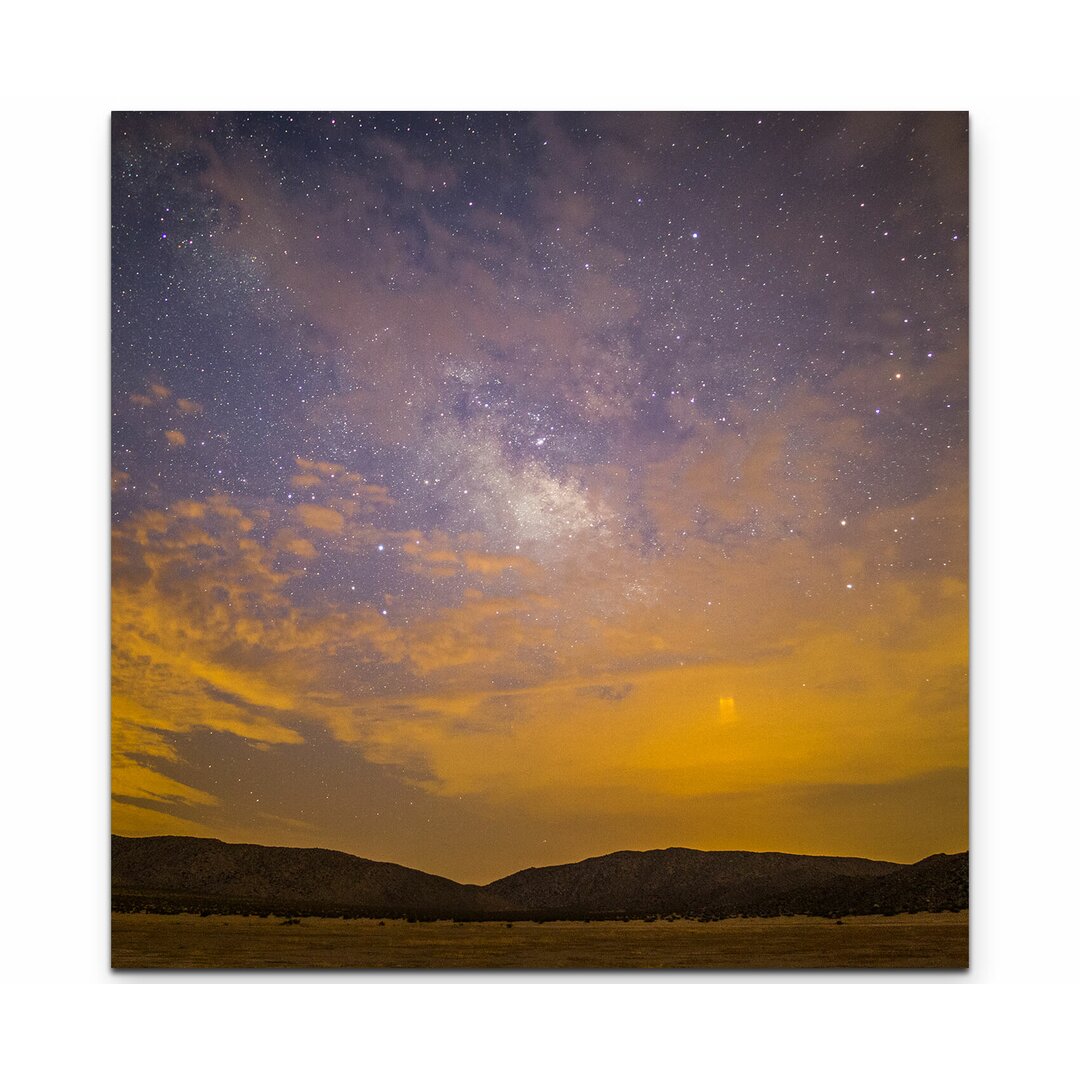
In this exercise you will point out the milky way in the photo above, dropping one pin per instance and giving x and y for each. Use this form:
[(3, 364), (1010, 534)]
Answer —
[(499, 489)]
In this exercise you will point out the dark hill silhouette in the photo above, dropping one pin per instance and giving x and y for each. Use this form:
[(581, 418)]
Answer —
[(932, 884), (216, 875), (682, 880), (188, 873)]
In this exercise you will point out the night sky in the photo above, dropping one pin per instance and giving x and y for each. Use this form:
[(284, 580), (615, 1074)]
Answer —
[(493, 490)]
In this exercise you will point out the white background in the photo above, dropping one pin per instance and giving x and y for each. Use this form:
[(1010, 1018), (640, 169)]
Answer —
[(65, 70)]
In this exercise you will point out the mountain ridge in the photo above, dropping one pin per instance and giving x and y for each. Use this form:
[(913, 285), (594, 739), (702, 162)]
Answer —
[(203, 873)]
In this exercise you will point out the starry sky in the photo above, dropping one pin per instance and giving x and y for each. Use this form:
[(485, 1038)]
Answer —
[(494, 490)]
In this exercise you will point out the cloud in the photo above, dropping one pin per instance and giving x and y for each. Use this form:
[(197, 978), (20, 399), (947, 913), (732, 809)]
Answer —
[(480, 288), (158, 395), (495, 565), (134, 781), (175, 438), (349, 492), (321, 518), (323, 468), (684, 731), (288, 541), (132, 819)]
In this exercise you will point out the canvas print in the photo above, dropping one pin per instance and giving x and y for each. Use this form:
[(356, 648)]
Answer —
[(539, 540)]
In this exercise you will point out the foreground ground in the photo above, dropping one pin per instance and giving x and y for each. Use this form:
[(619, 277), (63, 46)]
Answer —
[(232, 941)]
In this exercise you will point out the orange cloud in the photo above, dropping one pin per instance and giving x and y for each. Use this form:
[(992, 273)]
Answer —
[(320, 517), (494, 565), (324, 468), (175, 438), (372, 494), (353, 493), (288, 541)]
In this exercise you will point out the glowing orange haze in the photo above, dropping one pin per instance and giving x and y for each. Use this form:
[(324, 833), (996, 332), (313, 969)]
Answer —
[(495, 490), (804, 692)]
